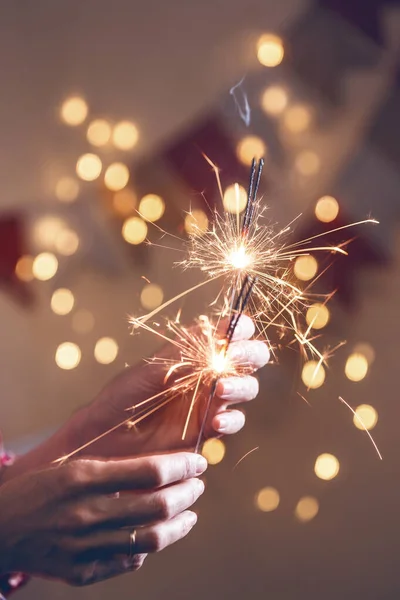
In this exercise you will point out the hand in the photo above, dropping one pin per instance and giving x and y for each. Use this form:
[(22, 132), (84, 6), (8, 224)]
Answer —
[(66, 522), (162, 431)]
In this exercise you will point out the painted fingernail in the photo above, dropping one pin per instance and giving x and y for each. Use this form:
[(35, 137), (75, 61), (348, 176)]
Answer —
[(201, 465)]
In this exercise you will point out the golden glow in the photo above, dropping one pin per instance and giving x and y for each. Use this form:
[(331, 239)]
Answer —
[(219, 362), (125, 135), (82, 321), (134, 230), (99, 132), (274, 100), (124, 202), (74, 111), (307, 163), (307, 508), (196, 222), (62, 301), (89, 167), (367, 350), (327, 209), (267, 499), (356, 367), (235, 199), (24, 268), (116, 176), (68, 356), (297, 118), (106, 350), (213, 451), (326, 466), (313, 374), (45, 231), (67, 189), (367, 417), (67, 242), (251, 147), (45, 266), (152, 207), (239, 259), (151, 296), (317, 316), (270, 50), (305, 267)]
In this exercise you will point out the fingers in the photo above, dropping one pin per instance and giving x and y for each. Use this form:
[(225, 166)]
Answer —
[(244, 329), (108, 477), (237, 389), (229, 422), (254, 354)]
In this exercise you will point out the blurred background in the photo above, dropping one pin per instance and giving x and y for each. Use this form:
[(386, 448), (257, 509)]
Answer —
[(106, 109)]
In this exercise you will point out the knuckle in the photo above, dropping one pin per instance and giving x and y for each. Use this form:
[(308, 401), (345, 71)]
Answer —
[(79, 517), (79, 473), (136, 562), (164, 506), (187, 467), (155, 472)]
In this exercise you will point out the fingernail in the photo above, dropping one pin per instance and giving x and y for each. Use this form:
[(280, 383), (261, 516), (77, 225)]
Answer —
[(201, 465), (191, 518), (236, 353), (223, 423), (228, 389), (200, 485)]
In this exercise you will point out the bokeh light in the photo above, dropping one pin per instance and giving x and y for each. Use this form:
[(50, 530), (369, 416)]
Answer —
[(267, 499), (45, 266), (99, 132), (116, 176), (270, 50), (366, 417), (213, 451), (67, 189), (305, 267), (67, 242), (68, 356), (365, 349), (317, 316), (306, 509), (82, 321), (151, 296), (134, 230), (356, 367), (327, 209), (152, 207), (125, 135), (45, 231), (24, 268), (89, 167), (307, 163), (297, 118), (106, 350), (74, 111), (196, 222), (62, 301), (326, 466), (251, 147), (124, 202), (235, 199), (313, 374), (274, 100)]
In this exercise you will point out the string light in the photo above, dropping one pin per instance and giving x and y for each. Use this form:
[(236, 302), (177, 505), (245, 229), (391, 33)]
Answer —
[(89, 167), (268, 499), (270, 50), (366, 417), (134, 230), (152, 207), (274, 100), (326, 466), (99, 132), (82, 321), (307, 508), (297, 118), (67, 189), (235, 199), (251, 147), (305, 267), (62, 301), (116, 176), (74, 111), (318, 316), (151, 296), (125, 135), (213, 451), (356, 367), (67, 242), (106, 350), (313, 374), (327, 209), (307, 163), (196, 222), (45, 266), (24, 268), (68, 356)]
